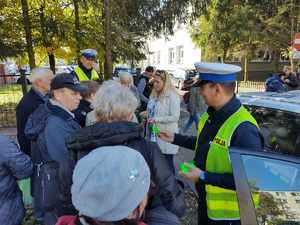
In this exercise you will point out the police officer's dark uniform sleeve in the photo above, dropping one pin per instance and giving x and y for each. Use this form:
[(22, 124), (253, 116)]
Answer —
[(245, 136), (185, 141)]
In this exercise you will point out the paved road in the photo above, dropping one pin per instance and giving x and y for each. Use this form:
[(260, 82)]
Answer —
[(184, 154)]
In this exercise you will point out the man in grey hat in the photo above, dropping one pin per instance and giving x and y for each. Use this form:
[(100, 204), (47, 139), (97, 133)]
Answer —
[(110, 186), (47, 129)]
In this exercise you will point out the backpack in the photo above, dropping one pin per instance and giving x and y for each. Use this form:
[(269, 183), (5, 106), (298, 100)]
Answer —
[(275, 84)]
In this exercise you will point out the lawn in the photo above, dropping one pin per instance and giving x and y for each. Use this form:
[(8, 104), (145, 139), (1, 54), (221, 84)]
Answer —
[(10, 95)]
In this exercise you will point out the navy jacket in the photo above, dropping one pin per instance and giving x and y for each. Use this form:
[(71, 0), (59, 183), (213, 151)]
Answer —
[(28, 104), (14, 166), (246, 135), (47, 129)]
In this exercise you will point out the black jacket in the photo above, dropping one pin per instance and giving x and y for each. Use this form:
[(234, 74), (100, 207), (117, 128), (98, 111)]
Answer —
[(166, 187), (28, 104), (81, 112), (246, 135)]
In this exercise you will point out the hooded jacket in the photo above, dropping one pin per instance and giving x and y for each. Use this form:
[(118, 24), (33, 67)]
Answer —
[(14, 166), (165, 189), (47, 129)]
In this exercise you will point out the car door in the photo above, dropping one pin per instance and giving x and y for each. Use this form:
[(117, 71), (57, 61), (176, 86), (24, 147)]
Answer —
[(268, 187)]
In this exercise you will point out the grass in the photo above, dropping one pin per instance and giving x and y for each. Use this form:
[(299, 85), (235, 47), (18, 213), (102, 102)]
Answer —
[(10, 95)]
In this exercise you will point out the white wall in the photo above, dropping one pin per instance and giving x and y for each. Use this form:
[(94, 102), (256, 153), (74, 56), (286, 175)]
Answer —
[(181, 37)]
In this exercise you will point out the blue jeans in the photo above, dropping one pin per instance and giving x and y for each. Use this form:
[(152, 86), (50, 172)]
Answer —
[(194, 118)]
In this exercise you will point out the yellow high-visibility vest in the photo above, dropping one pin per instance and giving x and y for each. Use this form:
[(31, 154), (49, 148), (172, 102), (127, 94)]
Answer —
[(222, 204), (83, 77)]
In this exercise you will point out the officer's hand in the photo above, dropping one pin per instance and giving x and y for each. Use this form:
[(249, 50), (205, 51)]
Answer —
[(166, 136), (143, 114), (193, 174)]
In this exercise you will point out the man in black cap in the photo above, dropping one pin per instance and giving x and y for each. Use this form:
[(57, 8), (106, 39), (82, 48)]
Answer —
[(47, 129)]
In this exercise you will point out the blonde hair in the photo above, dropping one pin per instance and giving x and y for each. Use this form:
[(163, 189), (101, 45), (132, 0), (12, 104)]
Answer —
[(168, 86), (114, 102)]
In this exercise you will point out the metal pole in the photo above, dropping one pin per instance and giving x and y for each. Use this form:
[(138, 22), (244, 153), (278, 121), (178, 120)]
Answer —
[(23, 81)]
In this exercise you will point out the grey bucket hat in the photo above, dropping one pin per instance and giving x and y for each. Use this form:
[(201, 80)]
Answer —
[(109, 183)]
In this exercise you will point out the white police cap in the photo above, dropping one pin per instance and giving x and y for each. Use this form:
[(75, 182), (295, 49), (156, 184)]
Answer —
[(89, 53), (217, 72)]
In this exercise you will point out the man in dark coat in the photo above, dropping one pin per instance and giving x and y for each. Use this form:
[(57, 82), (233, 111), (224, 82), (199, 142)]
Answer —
[(40, 79), (47, 129)]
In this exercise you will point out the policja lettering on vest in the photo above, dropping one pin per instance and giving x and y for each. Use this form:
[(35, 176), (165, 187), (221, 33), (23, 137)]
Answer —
[(85, 71), (226, 123)]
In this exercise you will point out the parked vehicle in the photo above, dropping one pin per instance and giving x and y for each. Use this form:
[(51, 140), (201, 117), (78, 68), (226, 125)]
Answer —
[(179, 76), (268, 182)]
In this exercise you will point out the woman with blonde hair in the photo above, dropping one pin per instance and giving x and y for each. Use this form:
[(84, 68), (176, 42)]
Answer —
[(163, 111)]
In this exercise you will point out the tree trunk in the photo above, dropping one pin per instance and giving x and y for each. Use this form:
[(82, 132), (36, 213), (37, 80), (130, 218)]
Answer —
[(46, 43), (108, 65), (77, 27), (52, 62), (27, 28)]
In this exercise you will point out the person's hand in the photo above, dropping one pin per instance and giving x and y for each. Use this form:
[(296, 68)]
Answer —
[(151, 121), (143, 114), (166, 136), (193, 174)]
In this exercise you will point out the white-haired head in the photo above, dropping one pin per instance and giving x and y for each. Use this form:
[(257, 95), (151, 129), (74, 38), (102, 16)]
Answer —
[(126, 78), (114, 102), (41, 79), (39, 73)]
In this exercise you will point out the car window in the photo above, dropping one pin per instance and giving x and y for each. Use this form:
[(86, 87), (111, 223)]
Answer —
[(275, 189), (280, 129)]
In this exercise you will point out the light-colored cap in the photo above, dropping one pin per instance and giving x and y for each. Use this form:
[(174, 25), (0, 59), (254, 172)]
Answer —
[(89, 53), (109, 183), (217, 72)]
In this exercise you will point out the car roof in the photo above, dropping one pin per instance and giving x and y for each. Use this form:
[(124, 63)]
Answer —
[(286, 101)]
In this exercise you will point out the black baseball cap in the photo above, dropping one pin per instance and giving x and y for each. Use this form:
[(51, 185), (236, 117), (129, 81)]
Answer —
[(66, 80)]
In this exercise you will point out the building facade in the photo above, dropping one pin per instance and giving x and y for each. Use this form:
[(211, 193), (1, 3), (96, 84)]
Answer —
[(173, 52)]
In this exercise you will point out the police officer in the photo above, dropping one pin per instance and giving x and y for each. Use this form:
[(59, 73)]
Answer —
[(225, 124), (85, 70)]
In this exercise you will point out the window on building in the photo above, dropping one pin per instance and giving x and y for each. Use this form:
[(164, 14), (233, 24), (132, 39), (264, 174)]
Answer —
[(179, 55), (171, 56), (262, 56)]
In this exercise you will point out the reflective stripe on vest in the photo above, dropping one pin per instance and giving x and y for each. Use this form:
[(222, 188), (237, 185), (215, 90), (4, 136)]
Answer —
[(222, 203), (83, 77)]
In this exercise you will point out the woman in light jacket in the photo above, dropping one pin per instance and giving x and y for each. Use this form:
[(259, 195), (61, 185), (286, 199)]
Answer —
[(163, 111)]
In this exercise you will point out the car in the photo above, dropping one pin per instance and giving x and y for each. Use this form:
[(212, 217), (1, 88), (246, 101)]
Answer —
[(278, 116), (179, 76), (119, 69), (268, 182)]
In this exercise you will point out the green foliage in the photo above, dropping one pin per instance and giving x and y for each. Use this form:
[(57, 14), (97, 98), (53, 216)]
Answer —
[(243, 26)]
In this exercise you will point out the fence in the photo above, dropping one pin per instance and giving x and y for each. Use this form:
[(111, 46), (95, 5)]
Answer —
[(250, 86), (10, 95)]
